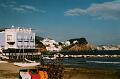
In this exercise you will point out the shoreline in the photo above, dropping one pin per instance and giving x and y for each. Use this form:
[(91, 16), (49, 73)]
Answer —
[(10, 71)]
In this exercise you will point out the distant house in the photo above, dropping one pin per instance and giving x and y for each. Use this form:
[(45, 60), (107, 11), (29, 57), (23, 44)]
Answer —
[(51, 45)]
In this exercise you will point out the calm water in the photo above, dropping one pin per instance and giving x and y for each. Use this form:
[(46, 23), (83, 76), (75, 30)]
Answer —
[(109, 63), (104, 63)]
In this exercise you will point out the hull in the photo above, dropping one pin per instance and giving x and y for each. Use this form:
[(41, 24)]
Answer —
[(26, 64)]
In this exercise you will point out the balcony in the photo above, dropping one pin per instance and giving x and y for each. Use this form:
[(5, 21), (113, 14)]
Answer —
[(11, 43)]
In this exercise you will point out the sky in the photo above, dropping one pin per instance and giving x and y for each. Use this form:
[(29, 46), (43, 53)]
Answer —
[(96, 20)]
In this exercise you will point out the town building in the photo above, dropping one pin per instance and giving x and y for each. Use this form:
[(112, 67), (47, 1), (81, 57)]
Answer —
[(17, 44), (51, 45), (17, 38)]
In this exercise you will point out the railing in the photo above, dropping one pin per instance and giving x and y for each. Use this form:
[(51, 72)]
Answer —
[(17, 54)]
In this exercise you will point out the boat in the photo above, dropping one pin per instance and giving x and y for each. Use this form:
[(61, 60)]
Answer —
[(3, 61), (29, 60), (4, 57), (26, 64), (49, 58)]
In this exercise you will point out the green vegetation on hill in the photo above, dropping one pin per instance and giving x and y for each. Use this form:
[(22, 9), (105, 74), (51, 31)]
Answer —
[(38, 39), (2, 29), (80, 41), (38, 43)]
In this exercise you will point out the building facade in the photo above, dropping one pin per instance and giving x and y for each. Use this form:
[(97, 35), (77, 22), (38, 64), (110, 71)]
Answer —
[(17, 38), (51, 45)]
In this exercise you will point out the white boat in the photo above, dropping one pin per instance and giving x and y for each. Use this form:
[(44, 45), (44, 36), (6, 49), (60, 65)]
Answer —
[(2, 56), (29, 60), (25, 64), (45, 58), (52, 58), (3, 61)]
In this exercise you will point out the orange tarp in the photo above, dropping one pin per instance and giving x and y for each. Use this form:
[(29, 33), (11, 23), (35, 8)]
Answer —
[(43, 74)]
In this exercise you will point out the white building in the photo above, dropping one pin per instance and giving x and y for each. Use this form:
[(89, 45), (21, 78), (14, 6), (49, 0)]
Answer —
[(17, 38), (51, 45), (66, 43), (48, 41)]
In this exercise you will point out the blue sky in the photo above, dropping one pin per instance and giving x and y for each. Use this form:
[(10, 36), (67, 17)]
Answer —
[(97, 20)]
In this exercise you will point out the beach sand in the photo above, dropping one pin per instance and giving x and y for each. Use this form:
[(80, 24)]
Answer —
[(10, 71), (90, 73)]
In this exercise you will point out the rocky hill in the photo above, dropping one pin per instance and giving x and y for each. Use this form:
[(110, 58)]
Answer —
[(79, 44)]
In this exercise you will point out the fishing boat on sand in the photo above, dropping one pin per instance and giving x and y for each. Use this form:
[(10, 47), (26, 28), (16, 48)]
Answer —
[(26, 64)]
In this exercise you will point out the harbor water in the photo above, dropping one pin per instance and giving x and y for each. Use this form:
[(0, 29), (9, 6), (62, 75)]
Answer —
[(98, 63)]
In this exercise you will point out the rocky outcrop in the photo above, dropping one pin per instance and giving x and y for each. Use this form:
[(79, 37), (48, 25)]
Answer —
[(79, 44), (78, 47)]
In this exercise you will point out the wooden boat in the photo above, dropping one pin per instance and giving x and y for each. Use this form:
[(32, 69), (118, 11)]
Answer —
[(3, 61), (2, 56), (49, 58), (26, 64)]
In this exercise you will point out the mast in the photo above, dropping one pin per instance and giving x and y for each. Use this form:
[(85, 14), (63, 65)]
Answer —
[(23, 45)]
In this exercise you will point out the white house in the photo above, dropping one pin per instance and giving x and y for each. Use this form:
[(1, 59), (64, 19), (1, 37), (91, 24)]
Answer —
[(17, 38), (67, 43), (51, 45)]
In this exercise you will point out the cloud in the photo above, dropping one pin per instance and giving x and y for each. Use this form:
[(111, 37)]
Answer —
[(32, 8), (8, 4), (28, 7), (20, 8), (106, 10), (75, 12)]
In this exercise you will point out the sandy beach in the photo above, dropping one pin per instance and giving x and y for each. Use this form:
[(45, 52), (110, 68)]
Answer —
[(9, 71), (87, 73)]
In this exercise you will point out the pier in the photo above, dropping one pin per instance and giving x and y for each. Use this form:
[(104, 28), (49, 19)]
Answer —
[(21, 56)]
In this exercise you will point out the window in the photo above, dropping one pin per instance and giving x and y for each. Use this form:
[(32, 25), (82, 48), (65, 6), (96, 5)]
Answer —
[(9, 37), (31, 37), (18, 37)]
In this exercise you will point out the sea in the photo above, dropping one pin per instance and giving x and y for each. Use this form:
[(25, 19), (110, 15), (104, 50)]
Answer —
[(98, 63), (93, 62)]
